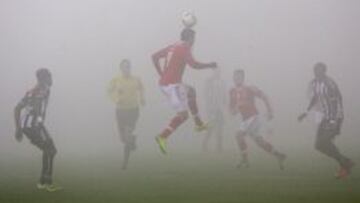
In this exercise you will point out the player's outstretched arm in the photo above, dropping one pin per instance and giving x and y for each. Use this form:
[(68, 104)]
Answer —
[(197, 65), (311, 105), (203, 65)]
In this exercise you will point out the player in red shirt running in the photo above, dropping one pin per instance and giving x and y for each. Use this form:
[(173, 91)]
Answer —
[(181, 96), (242, 100)]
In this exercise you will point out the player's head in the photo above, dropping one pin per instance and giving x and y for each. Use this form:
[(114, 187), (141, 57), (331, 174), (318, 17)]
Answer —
[(43, 76), (239, 77), (320, 70), (188, 35), (125, 67)]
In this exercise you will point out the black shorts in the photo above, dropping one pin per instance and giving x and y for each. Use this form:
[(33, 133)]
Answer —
[(127, 118), (330, 129), (39, 137)]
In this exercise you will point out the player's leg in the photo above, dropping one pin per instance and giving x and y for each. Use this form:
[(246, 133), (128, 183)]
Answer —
[(193, 107), (241, 142), (43, 177), (132, 116), (33, 134), (175, 122), (324, 144), (127, 152), (121, 124), (267, 147), (39, 137), (49, 151), (254, 131), (209, 134), (120, 118), (177, 98)]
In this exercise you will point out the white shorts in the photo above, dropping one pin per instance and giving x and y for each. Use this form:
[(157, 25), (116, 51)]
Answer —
[(251, 126), (177, 96)]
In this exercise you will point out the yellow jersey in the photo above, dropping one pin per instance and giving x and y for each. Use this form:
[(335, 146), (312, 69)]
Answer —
[(125, 91)]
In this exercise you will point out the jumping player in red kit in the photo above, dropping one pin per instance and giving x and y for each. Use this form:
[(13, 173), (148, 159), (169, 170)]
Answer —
[(242, 100), (181, 96)]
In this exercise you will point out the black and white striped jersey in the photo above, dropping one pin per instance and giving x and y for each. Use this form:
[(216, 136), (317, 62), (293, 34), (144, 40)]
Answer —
[(35, 104), (329, 97)]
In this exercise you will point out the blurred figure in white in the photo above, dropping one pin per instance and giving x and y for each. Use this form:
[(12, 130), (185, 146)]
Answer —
[(215, 101), (243, 103)]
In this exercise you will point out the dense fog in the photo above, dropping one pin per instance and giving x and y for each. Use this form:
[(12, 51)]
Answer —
[(83, 41)]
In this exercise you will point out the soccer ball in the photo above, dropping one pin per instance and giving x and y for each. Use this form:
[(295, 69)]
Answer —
[(188, 19)]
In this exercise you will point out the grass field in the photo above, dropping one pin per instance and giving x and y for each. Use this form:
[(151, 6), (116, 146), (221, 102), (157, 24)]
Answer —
[(183, 178)]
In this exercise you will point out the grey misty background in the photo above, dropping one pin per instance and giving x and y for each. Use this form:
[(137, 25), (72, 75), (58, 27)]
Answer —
[(83, 41)]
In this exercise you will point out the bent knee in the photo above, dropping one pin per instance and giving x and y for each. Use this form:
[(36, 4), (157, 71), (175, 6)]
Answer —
[(320, 145), (52, 151), (50, 148)]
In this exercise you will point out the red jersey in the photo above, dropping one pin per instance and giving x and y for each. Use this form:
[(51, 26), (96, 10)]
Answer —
[(242, 99), (177, 57)]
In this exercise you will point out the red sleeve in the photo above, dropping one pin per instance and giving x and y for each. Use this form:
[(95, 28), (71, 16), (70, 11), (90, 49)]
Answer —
[(256, 91)]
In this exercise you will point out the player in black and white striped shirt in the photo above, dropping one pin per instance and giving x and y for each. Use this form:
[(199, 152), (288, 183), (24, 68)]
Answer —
[(29, 121), (327, 94)]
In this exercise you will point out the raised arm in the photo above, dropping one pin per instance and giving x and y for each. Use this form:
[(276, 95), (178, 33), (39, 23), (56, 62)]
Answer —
[(312, 103)]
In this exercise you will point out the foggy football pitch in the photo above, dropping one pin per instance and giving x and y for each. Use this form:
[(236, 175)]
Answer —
[(182, 177)]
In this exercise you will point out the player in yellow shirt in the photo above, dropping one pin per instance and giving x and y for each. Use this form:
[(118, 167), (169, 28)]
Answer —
[(127, 93)]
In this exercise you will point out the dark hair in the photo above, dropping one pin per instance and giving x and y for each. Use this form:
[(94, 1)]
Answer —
[(187, 34), (125, 61), (239, 71), (43, 74), (320, 67)]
